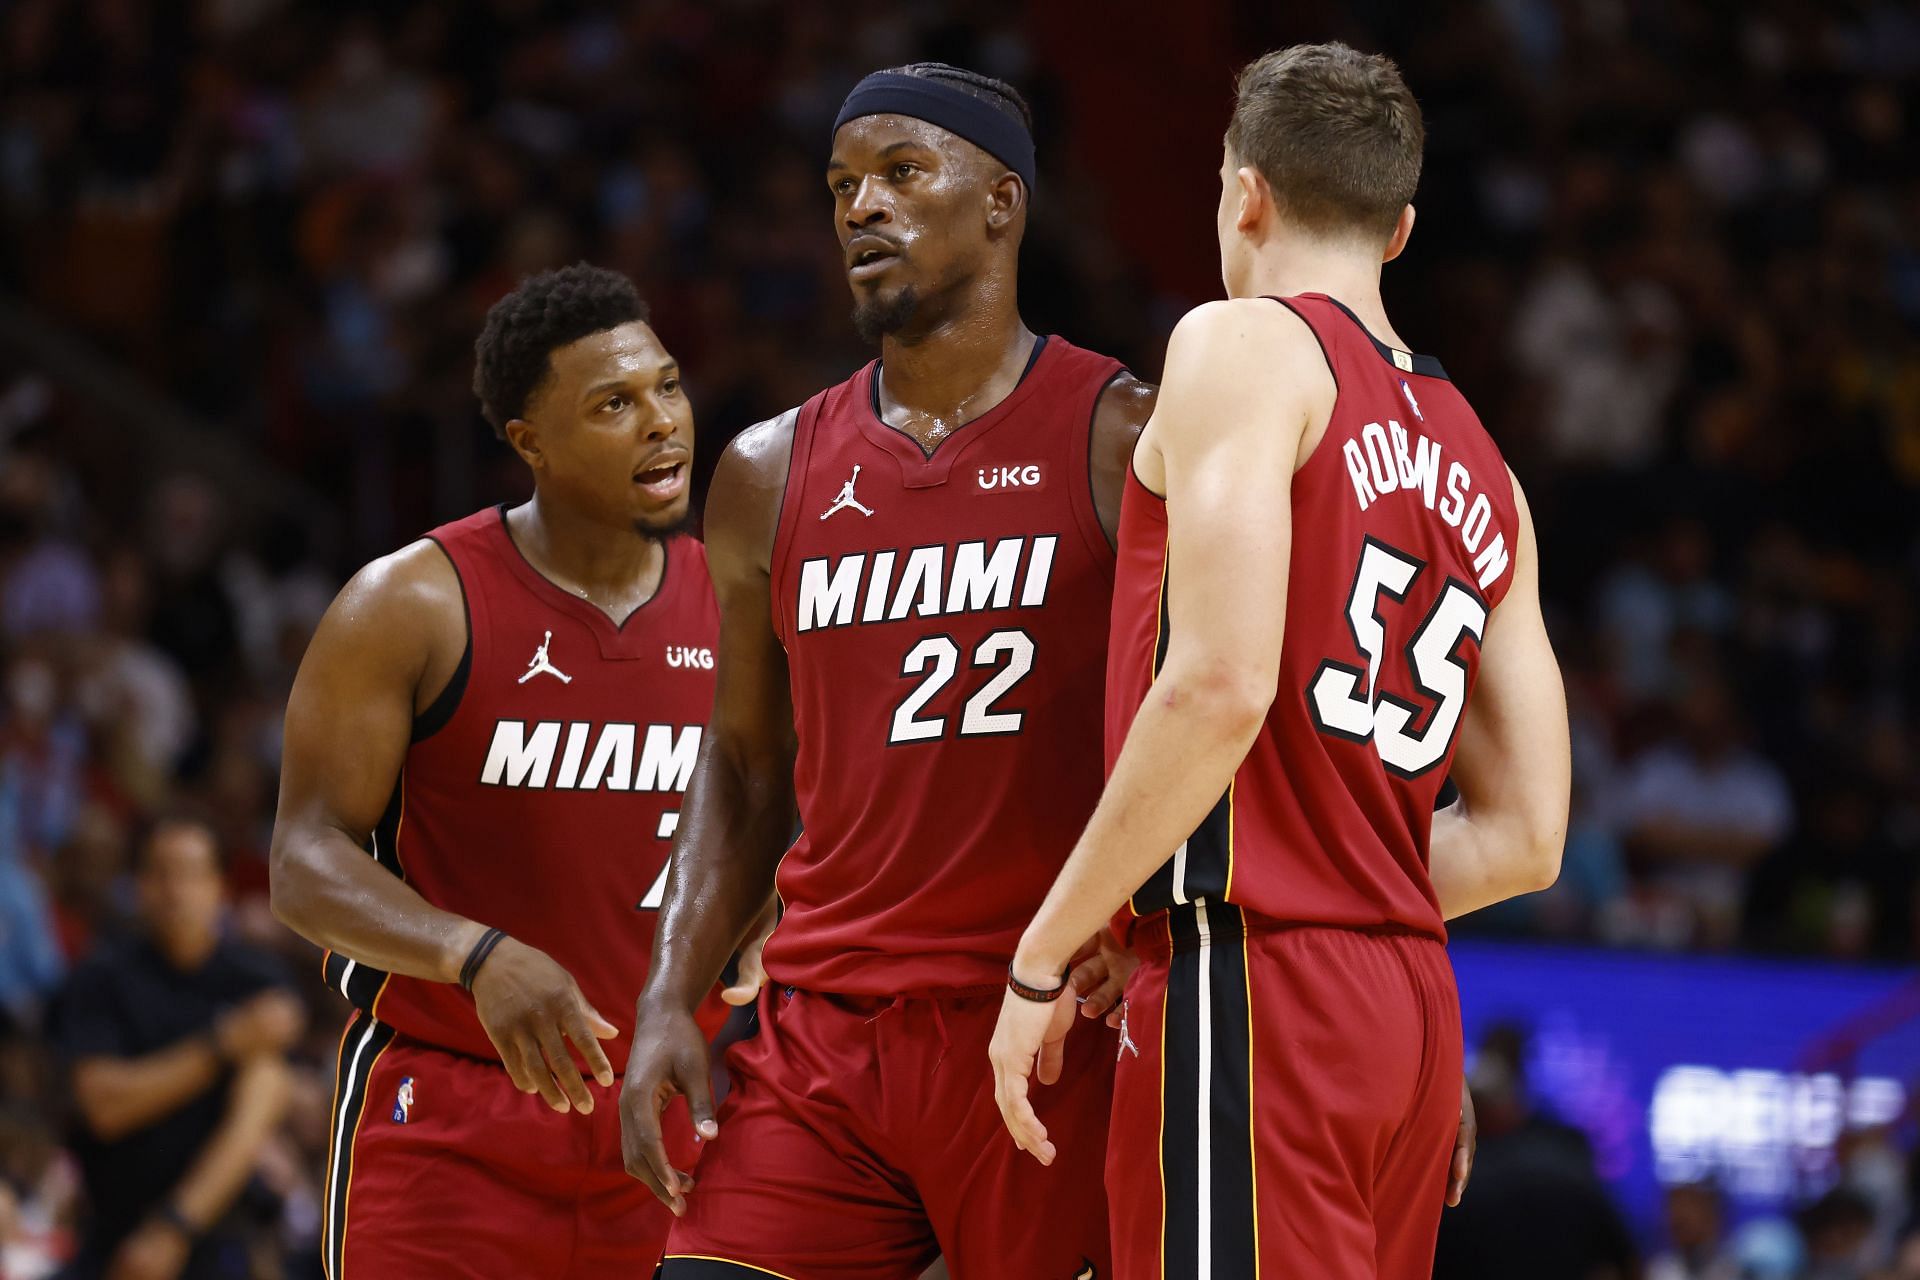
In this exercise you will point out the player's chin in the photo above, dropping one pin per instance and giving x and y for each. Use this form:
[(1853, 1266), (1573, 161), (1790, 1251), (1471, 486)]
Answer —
[(658, 519)]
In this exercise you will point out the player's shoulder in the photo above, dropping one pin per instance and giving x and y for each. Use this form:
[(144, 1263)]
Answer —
[(1129, 399), (1230, 326), (1246, 347), (419, 576), (753, 467), (397, 611)]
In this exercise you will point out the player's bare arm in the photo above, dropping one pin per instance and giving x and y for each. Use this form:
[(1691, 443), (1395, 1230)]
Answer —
[(1513, 765), (1122, 415), (1102, 966), (738, 815), (1246, 386), (386, 648)]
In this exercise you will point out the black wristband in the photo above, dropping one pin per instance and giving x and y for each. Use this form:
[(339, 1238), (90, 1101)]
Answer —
[(1039, 995), (478, 956), (169, 1212)]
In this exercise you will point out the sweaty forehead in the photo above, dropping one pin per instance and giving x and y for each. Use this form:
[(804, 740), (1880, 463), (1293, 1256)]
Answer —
[(865, 137), (628, 350)]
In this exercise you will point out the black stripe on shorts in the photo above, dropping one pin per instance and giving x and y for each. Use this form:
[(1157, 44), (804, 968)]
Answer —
[(1206, 1104), (360, 1048)]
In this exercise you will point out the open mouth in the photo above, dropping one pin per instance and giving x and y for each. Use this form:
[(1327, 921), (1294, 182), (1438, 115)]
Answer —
[(664, 480), (871, 261)]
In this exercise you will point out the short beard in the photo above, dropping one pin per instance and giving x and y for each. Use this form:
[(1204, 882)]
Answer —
[(878, 317), (663, 529)]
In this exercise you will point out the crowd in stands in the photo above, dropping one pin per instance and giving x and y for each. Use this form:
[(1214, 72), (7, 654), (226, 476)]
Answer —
[(1671, 252)]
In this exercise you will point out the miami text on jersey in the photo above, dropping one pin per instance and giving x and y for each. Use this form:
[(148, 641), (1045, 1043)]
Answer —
[(970, 577), (592, 756)]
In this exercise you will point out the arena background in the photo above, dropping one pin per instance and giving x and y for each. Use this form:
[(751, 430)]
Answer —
[(1670, 250)]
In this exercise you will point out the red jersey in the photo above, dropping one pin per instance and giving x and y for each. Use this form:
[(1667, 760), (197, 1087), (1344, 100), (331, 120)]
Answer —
[(1404, 525), (541, 790), (944, 618)]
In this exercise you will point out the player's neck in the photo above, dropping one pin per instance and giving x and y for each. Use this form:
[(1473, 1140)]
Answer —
[(1296, 265), (615, 567), (956, 372)]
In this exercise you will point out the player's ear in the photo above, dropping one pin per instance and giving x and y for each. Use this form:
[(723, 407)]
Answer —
[(1255, 198), (1402, 229), (1006, 199), (525, 439)]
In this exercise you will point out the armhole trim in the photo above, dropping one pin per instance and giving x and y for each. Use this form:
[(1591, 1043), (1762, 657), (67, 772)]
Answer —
[(1106, 549), (783, 526), (441, 710)]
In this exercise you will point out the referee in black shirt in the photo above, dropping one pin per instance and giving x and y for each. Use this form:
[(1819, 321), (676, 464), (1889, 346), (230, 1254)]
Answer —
[(175, 1046)]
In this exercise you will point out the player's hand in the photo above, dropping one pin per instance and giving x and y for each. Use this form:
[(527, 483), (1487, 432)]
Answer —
[(157, 1251), (268, 1023), (1464, 1143), (750, 975), (1027, 1041), (530, 1007), (669, 1057), (1100, 974)]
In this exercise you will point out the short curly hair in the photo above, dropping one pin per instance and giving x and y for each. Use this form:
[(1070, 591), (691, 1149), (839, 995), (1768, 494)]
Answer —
[(546, 312)]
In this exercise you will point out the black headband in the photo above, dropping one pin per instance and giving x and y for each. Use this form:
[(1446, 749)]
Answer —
[(893, 93)]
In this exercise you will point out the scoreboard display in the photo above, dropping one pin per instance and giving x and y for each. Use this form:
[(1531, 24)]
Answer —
[(1687, 1068)]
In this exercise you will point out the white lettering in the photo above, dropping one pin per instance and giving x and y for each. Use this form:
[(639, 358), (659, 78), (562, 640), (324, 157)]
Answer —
[(824, 602), (1386, 478), (1476, 526), (982, 584), (877, 587), (1357, 468), (513, 760), (1039, 569), (921, 577), (1402, 461), (666, 761), (612, 759), (1456, 500), (1426, 470), (1492, 562), (570, 759)]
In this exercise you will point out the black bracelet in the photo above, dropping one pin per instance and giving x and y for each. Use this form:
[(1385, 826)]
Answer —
[(478, 956), (169, 1212), (1039, 995)]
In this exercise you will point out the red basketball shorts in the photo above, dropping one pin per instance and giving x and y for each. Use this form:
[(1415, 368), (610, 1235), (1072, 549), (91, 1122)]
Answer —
[(861, 1140), (1286, 1103), (438, 1168)]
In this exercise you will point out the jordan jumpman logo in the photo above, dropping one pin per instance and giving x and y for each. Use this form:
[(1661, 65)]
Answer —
[(541, 665), (846, 498)]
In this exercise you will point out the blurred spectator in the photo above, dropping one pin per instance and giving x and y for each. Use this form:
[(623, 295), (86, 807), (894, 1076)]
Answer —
[(176, 1049), (1696, 1245), (1700, 809), (1536, 1207), (1838, 1229)]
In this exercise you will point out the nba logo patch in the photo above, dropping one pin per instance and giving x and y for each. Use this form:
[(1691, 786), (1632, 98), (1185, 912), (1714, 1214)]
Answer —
[(1413, 404), (403, 1101)]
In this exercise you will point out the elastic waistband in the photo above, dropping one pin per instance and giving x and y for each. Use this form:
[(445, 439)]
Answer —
[(871, 1003), (1192, 925)]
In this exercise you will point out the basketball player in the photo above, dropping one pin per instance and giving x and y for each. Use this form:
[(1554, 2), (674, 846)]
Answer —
[(914, 572), (504, 714), (1282, 712)]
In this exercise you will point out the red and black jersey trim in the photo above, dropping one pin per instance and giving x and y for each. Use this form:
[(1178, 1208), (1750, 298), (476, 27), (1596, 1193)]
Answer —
[(361, 984), (1203, 865)]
